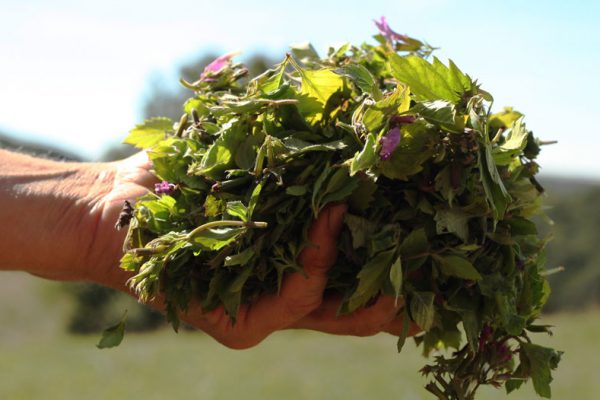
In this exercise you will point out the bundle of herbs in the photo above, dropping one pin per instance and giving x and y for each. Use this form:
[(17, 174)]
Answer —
[(441, 193)]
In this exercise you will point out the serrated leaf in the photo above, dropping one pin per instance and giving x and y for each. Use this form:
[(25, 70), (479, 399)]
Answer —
[(305, 52), (453, 220), (149, 133), (541, 360), (321, 84), (370, 279), (454, 77), (515, 142), (440, 112), (362, 78), (422, 78)]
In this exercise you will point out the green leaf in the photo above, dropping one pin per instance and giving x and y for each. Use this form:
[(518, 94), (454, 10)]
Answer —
[(296, 190), (405, 328), (321, 84), (370, 279), (424, 81), (149, 133), (217, 238), (305, 52), (521, 226), (366, 158), (453, 76), (394, 104), (254, 197), (113, 336), (231, 295), (422, 310), (453, 220), (361, 78), (513, 384), (514, 144), (240, 258), (504, 119), (444, 184), (237, 209), (298, 146), (270, 80), (541, 360), (360, 228), (363, 195), (496, 193), (439, 112), (415, 243), (459, 267), (416, 147), (219, 156), (396, 277)]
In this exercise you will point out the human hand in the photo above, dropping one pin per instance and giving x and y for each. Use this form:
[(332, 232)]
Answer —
[(300, 302), (91, 197)]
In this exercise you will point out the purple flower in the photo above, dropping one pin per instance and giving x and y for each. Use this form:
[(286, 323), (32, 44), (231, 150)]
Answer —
[(164, 188), (389, 142), (388, 33), (503, 352), (216, 65)]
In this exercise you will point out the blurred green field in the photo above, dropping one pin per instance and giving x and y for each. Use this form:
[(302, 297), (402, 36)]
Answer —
[(39, 361)]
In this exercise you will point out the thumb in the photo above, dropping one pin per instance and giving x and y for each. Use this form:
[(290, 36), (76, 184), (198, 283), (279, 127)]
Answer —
[(321, 252)]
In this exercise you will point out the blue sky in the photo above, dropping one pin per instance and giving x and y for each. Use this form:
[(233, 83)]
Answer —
[(73, 73)]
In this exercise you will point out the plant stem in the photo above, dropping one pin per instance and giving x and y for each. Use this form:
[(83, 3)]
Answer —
[(217, 224)]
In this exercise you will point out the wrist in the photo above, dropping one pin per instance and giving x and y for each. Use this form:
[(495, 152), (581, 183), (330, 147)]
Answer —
[(48, 214)]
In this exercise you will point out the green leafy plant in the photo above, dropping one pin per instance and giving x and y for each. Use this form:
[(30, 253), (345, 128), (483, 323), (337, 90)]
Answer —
[(441, 194)]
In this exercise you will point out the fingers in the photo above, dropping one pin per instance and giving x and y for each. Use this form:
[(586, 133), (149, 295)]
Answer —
[(366, 321), (299, 295)]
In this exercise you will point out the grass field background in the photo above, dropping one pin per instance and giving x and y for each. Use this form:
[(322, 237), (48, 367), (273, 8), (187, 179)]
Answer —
[(39, 360)]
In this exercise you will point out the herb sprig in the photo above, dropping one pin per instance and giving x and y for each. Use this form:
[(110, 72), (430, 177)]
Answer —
[(441, 194)]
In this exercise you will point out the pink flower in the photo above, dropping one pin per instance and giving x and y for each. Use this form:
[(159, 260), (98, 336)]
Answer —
[(387, 32), (216, 65), (389, 142), (164, 188)]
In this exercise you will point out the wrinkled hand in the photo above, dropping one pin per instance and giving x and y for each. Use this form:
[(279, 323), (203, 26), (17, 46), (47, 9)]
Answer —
[(299, 304)]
